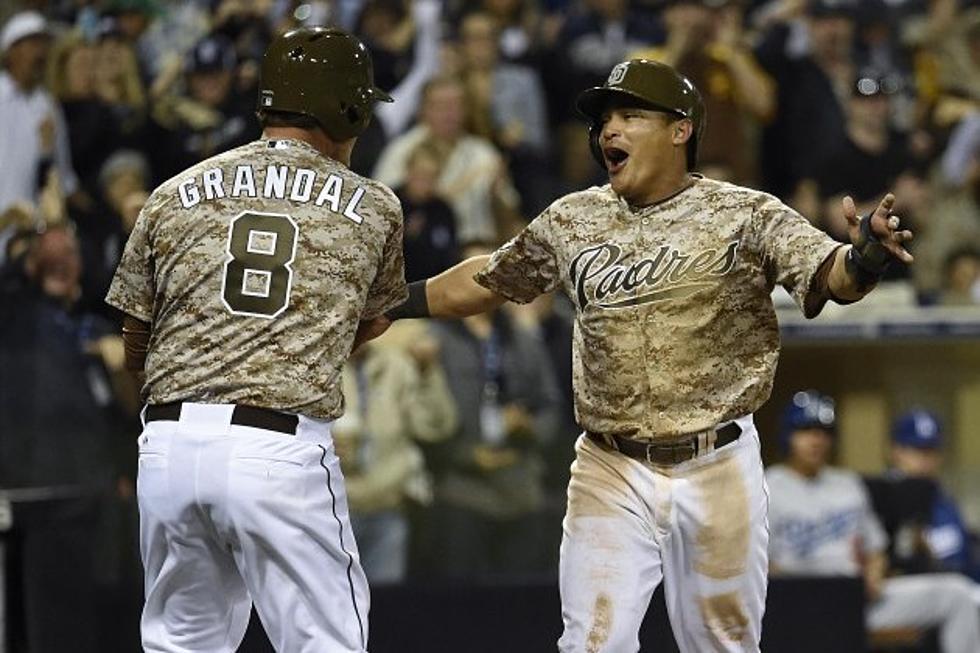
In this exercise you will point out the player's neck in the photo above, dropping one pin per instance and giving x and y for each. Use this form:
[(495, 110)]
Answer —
[(664, 189), (317, 138)]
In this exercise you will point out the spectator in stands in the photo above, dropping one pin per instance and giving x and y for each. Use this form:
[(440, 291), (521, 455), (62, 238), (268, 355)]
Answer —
[(821, 523), (430, 225), (505, 105), (406, 86), (94, 129), (811, 82), (952, 36), (867, 163), (123, 188), (505, 101), (59, 434), (937, 539), (388, 31), (473, 177), (596, 35), (117, 77), (952, 218), (392, 118), (214, 116), (706, 42), (394, 399), (961, 160), (520, 26), (133, 20), (490, 491), (961, 273), (34, 139)]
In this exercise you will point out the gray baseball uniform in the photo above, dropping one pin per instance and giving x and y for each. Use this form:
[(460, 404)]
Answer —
[(825, 526)]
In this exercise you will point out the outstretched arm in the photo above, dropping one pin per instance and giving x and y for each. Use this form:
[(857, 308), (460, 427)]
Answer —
[(452, 293), (876, 241)]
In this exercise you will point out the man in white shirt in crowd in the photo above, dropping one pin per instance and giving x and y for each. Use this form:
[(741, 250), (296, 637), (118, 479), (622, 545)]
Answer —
[(34, 140)]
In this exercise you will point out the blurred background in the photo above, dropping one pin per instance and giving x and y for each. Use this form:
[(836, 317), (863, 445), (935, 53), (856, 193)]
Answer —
[(458, 436)]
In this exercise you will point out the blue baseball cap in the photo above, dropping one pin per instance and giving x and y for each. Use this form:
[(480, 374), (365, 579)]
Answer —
[(809, 409), (919, 429)]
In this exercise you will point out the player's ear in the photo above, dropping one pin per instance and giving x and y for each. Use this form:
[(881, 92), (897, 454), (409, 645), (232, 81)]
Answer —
[(682, 130)]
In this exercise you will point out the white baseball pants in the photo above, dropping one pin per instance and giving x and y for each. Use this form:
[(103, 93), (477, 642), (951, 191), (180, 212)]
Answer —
[(700, 526), (230, 514), (930, 601)]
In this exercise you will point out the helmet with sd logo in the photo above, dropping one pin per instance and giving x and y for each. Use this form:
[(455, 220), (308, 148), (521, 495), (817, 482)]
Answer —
[(652, 85)]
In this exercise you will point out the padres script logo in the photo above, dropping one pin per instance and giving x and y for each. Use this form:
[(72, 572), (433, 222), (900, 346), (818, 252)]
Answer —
[(600, 275)]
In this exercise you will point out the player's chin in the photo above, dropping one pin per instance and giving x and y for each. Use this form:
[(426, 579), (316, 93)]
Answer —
[(620, 184)]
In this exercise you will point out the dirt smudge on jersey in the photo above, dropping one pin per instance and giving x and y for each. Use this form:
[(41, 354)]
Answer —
[(722, 542), (601, 624), (724, 616)]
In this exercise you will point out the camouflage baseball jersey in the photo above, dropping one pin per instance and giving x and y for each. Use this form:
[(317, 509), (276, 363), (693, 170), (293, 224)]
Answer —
[(675, 330), (254, 268)]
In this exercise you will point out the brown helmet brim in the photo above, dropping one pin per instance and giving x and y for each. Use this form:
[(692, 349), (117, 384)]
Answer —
[(593, 101)]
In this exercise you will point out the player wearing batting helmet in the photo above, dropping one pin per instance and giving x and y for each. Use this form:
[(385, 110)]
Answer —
[(244, 282), (675, 347)]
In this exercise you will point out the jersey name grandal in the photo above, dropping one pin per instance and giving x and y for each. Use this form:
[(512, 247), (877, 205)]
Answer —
[(274, 182)]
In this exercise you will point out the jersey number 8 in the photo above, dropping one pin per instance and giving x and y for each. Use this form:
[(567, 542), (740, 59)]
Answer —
[(258, 277)]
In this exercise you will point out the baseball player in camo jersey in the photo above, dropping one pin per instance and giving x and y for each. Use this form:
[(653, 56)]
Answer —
[(244, 283), (675, 346)]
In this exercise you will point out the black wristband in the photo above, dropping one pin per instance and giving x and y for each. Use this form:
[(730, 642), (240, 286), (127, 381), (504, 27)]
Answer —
[(854, 264), (867, 259), (417, 304)]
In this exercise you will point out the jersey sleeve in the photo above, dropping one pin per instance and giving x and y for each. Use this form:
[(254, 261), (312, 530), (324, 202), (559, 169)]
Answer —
[(132, 288), (793, 251), (389, 288), (526, 266)]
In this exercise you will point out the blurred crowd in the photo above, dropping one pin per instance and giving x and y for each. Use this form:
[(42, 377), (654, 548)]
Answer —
[(457, 437)]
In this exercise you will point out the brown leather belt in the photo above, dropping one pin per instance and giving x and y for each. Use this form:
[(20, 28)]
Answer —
[(259, 418), (672, 452)]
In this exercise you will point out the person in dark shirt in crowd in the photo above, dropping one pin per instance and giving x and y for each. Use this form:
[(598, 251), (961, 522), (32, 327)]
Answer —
[(595, 36), (809, 123), (490, 486), (216, 115), (872, 155), (430, 226), (60, 435)]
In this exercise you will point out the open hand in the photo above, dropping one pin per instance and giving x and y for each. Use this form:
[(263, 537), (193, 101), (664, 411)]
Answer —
[(884, 225)]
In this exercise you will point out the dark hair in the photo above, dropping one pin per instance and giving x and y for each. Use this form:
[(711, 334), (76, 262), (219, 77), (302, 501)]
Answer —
[(962, 252), (288, 119)]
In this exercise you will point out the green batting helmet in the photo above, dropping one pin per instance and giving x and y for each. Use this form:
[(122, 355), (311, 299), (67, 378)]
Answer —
[(324, 73), (650, 84)]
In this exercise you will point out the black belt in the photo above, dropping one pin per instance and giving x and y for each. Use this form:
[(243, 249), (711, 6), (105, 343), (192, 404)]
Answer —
[(671, 452), (260, 418)]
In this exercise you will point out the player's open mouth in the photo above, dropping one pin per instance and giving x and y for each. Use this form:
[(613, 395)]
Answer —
[(615, 159)]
